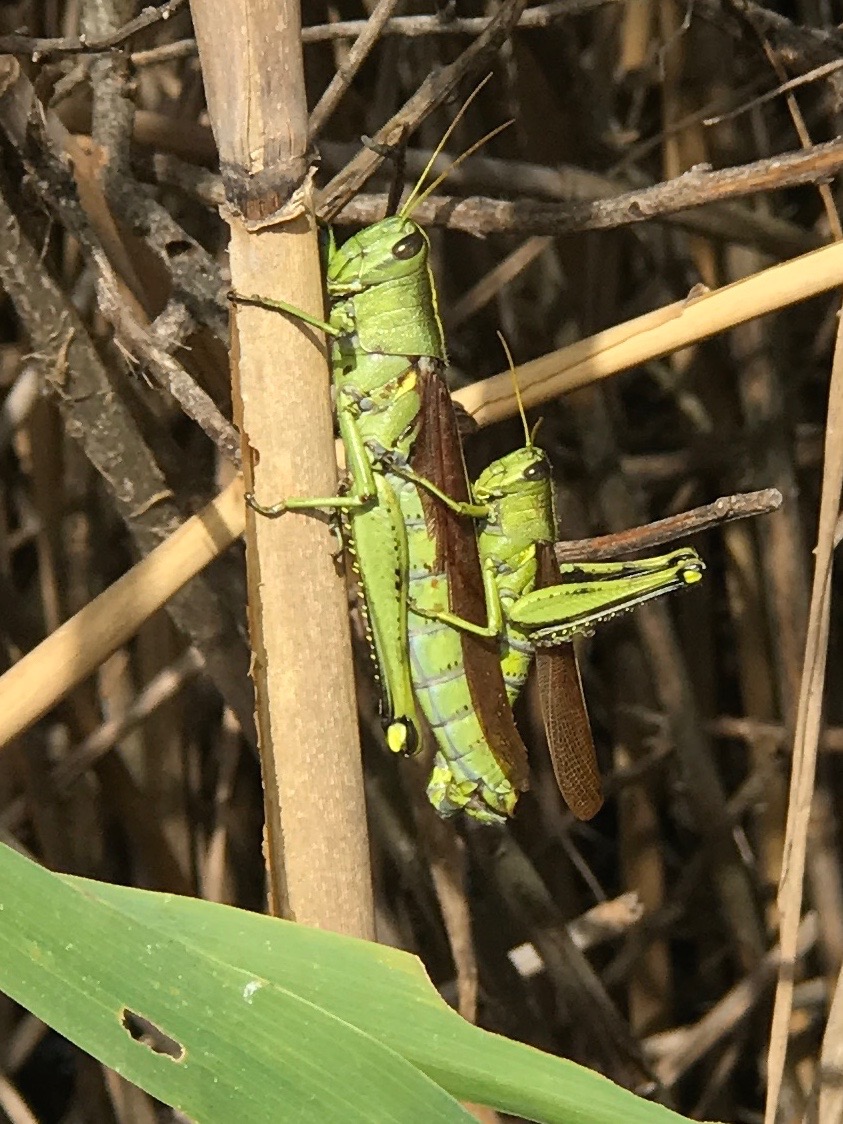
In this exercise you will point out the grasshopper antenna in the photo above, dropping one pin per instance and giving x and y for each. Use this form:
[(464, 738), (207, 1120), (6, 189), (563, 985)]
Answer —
[(406, 211), (529, 434), (414, 198)]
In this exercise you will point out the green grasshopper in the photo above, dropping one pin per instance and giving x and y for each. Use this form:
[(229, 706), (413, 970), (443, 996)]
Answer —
[(533, 607), (387, 356), (378, 399), (545, 605)]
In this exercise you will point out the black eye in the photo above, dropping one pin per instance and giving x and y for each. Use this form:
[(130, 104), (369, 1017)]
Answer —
[(540, 470), (408, 247)]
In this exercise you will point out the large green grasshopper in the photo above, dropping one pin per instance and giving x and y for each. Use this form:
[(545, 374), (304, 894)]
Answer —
[(544, 605), (533, 607), (377, 399), (387, 358)]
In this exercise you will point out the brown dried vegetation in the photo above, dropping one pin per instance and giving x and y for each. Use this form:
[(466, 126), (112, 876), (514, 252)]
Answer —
[(642, 162)]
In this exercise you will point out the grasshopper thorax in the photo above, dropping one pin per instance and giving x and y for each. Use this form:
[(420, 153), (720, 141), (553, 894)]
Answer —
[(389, 250)]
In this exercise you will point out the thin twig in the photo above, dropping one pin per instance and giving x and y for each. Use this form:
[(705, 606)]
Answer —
[(41, 49), (781, 88), (358, 54), (696, 188), (727, 508), (753, 729), (571, 186), (412, 27)]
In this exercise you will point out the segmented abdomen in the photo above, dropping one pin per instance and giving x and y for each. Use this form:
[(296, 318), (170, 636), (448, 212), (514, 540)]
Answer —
[(466, 775)]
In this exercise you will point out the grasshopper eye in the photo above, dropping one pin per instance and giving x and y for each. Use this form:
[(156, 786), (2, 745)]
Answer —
[(408, 247), (540, 470)]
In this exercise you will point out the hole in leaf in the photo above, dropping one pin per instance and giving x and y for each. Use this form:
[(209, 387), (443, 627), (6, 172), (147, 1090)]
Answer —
[(148, 1034), (178, 247)]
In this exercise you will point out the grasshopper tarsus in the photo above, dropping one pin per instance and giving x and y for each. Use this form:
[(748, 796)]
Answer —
[(414, 607), (339, 542), (240, 298), (273, 511)]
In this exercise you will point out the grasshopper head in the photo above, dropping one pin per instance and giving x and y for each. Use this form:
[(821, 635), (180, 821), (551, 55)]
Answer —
[(517, 489), (525, 470), (393, 248)]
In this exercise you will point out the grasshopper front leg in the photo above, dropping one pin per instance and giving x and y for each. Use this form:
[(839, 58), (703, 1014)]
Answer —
[(363, 486), (494, 626), (289, 310), (469, 510)]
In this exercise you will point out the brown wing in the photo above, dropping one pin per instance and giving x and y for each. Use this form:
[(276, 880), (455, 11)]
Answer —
[(466, 424), (437, 456), (563, 709)]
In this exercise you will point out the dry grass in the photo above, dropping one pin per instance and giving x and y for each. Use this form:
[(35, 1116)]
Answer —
[(128, 736)]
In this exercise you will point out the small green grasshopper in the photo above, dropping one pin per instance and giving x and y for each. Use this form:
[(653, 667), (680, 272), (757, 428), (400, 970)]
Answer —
[(544, 605), (533, 608)]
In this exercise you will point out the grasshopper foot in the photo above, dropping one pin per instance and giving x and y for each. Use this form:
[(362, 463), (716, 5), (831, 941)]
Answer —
[(420, 611), (271, 512), (240, 298), (339, 540)]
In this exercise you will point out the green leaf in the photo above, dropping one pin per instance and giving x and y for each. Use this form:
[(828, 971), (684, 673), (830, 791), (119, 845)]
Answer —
[(249, 1049), (276, 1021)]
